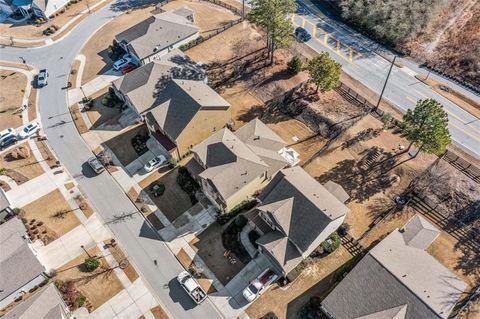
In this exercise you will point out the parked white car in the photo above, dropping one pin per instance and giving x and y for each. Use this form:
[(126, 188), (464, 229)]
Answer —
[(155, 163), (42, 78), (6, 133), (96, 165), (29, 130), (122, 62), (191, 286), (259, 284)]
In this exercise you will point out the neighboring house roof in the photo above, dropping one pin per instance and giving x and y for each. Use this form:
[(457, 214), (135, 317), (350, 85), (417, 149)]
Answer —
[(301, 208), (396, 274), (4, 202), (337, 191), (143, 85), (179, 102), (18, 264), (231, 163), (45, 304), (158, 32)]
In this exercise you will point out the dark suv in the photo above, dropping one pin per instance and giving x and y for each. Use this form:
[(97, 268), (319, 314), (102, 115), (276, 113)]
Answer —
[(302, 35)]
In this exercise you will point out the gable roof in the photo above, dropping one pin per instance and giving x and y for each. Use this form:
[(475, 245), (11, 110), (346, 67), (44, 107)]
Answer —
[(45, 304), (178, 103), (231, 163), (158, 32), (282, 249), (337, 191), (310, 210), (395, 274), (143, 84), (419, 233), (18, 264), (393, 313), (4, 202)]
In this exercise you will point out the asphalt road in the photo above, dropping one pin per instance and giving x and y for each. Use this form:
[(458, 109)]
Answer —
[(138, 239), (403, 89)]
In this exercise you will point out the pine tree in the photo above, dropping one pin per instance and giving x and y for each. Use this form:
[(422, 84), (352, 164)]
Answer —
[(324, 72)]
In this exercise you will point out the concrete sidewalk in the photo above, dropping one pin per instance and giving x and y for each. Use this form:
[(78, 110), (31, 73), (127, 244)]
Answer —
[(75, 95)]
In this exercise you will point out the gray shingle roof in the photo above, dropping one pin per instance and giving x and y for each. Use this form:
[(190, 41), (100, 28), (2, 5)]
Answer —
[(370, 288), (232, 163), (282, 249), (45, 304), (4, 203), (18, 264), (394, 274), (310, 207), (157, 33), (178, 103), (143, 84)]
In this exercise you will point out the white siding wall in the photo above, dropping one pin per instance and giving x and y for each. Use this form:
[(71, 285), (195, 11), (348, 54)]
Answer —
[(166, 50), (333, 226)]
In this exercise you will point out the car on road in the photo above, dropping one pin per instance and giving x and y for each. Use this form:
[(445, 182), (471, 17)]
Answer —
[(191, 286), (7, 141), (42, 78), (259, 284), (155, 163), (6, 133), (302, 35), (95, 165), (29, 130), (119, 64), (128, 68)]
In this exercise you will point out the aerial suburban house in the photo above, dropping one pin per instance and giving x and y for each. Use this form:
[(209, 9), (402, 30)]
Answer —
[(233, 166), (296, 214), (398, 279), (20, 269), (171, 96), (30, 8), (44, 304), (158, 34)]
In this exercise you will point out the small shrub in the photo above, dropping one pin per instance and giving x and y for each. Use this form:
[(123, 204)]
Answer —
[(295, 65), (91, 263), (24, 221), (33, 289), (387, 120), (79, 301), (270, 315), (245, 205), (343, 229), (331, 243), (44, 282)]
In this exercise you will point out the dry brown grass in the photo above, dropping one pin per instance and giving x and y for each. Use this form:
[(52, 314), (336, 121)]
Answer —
[(72, 77), (83, 205), (43, 209), (32, 104), (12, 88), (78, 119), (120, 257), (98, 286), (159, 313), (47, 155), (315, 280), (95, 50), (69, 185), (21, 170)]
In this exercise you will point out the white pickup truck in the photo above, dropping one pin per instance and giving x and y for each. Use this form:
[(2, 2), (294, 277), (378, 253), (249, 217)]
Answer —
[(191, 287)]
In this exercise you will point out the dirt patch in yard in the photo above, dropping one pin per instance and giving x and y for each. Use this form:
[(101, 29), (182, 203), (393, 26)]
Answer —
[(43, 210), (20, 164), (78, 119), (159, 313), (174, 201), (47, 155), (316, 280), (208, 17), (83, 205), (208, 245), (121, 145), (32, 104), (98, 286), (95, 51), (13, 86), (121, 259)]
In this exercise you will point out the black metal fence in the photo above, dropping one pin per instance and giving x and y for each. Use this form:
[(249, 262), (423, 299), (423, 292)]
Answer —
[(462, 165), (201, 39), (235, 10)]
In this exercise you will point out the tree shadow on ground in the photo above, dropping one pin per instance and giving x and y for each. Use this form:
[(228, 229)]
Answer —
[(469, 262), (366, 177)]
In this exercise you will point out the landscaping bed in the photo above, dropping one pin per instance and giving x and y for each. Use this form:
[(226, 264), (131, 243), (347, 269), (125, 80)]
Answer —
[(20, 164), (208, 245), (121, 145), (122, 260), (174, 201), (78, 119), (103, 107), (231, 239), (40, 219), (13, 87), (96, 286)]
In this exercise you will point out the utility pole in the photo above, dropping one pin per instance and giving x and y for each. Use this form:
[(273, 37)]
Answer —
[(385, 84)]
